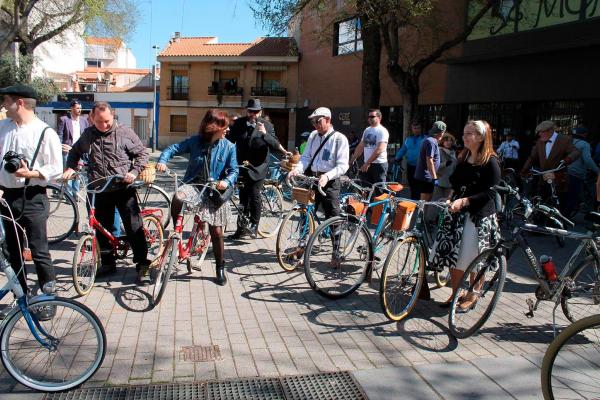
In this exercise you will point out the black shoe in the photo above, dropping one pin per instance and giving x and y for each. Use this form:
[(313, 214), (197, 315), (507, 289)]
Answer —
[(45, 313), (252, 230), (106, 270), (221, 279), (143, 274), (239, 233)]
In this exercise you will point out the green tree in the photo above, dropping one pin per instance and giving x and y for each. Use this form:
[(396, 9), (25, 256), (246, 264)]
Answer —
[(12, 73)]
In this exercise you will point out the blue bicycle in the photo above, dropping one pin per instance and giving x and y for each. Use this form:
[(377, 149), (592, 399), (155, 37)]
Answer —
[(52, 351)]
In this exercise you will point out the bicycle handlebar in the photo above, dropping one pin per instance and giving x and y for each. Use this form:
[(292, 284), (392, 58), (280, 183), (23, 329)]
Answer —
[(561, 166), (314, 181), (552, 212)]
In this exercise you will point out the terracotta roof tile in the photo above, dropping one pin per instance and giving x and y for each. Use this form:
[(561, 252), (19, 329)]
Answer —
[(202, 47)]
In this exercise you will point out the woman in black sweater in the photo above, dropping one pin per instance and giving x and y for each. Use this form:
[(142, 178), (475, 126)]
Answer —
[(471, 226)]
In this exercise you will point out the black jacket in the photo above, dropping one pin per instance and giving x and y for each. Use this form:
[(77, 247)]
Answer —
[(474, 182), (253, 146)]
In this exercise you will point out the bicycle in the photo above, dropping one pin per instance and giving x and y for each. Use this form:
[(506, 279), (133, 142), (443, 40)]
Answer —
[(53, 355), (341, 253), (175, 251), (404, 269), (570, 364), (576, 288), (86, 259)]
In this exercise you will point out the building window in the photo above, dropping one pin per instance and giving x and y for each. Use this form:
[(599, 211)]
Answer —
[(347, 37), (94, 63), (180, 85), (178, 123)]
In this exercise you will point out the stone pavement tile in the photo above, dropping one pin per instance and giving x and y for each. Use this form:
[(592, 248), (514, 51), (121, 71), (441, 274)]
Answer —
[(245, 366), (205, 371), (516, 375), (394, 383), (141, 371), (162, 376), (226, 369)]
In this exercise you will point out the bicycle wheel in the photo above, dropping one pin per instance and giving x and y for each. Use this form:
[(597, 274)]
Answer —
[(402, 277), (484, 277), (152, 197), (338, 256), (160, 272), (153, 231), (272, 211), (296, 228), (79, 344), (63, 215), (581, 297), (86, 262), (570, 365), (383, 244), (199, 248)]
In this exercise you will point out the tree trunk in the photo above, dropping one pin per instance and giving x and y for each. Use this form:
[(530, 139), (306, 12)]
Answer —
[(371, 61)]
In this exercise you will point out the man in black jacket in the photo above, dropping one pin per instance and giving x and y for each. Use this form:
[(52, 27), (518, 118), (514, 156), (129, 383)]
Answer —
[(254, 136)]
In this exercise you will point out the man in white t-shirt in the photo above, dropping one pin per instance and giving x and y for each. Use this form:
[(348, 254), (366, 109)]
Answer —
[(373, 146)]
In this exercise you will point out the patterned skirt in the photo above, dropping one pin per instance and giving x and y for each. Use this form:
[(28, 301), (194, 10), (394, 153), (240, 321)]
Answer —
[(203, 208)]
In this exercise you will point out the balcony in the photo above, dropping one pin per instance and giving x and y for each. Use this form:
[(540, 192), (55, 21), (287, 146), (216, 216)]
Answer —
[(221, 91), (268, 91), (179, 93)]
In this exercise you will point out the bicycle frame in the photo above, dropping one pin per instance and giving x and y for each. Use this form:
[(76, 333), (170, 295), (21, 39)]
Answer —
[(185, 250)]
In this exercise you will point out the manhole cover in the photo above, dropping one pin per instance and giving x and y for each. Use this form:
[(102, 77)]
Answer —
[(200, 353), (330, 386)]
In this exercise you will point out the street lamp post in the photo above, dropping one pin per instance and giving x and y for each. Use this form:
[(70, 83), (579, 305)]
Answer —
[(153, 134)]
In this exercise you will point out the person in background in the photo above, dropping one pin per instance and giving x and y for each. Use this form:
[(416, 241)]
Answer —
[(447, 165), (410, 149), (373, 148), (429, 161), (70, 128), (579, 169), (508, 151), (304, 138)]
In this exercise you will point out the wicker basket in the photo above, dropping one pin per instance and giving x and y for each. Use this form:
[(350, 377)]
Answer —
[(303, 196), (148, 174), (286, 165)]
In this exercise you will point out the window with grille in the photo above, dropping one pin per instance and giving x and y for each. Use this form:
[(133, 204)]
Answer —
[(347, 37), (178, 123)]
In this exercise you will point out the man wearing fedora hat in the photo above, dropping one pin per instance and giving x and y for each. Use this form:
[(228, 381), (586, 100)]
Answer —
[(254, 138)]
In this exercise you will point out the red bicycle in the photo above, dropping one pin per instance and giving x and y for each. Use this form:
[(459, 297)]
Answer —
[(86, 259), (178, 250)]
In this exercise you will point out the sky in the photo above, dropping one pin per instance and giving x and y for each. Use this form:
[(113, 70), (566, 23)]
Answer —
[(229, 20)]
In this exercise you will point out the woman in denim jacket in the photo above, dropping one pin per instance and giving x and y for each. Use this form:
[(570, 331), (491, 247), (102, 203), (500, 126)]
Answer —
[(211, 157)]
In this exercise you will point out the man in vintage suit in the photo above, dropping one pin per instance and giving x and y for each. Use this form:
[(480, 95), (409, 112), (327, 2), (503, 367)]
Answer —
[(70, 128), (254, 137), (549, 151)]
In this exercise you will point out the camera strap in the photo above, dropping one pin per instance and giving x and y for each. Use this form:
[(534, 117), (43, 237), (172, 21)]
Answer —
[(37, 150)]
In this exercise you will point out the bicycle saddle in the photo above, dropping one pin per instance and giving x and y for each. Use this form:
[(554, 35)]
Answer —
[(395, 187), (593, 217)]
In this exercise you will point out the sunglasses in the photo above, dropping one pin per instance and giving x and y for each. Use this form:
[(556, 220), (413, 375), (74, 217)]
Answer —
[(253, 111), (315, 121)]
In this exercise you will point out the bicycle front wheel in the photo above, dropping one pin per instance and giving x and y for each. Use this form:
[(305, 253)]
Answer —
[(483, 278), (153, 231), (199, 246), (156, 201), (63, 215), (581, 297), (272, 211), (402, 277), (86, 262), (338, 256), (77, 346), (570, 365), (296, 228), (160, 272)]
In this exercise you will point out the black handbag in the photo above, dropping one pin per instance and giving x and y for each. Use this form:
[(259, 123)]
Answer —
[(216, 198)]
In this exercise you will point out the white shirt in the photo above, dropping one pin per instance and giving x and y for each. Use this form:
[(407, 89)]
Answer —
[(76, 129), (372, 136), (333, 157), (509, 149), (24, 140), (550, 143)]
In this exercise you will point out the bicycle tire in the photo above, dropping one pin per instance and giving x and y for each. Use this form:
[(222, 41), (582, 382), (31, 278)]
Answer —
[(63, 214), (153, 232), (313, 266), (271, 211), (16, 327), (199, 248), (152, 196), (84, 278), (288, 248), (573, 379), (384, 243), (470, 321), (161, 272), (393, 285), (572, 301)]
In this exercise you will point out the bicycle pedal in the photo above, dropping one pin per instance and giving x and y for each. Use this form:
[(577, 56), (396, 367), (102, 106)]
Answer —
[(531, 307)]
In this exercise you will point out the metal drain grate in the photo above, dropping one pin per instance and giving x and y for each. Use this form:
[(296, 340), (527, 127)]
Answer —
[(249, 389), (331, 386), (200, 353)]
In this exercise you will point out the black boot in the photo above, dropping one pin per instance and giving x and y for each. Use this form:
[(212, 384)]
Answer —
[(239, 233), (221, 279)]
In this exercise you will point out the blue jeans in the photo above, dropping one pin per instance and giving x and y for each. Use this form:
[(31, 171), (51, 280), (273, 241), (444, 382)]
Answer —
[(73, 185)]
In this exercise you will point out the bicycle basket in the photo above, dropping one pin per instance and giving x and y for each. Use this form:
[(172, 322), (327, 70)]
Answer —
[(378, 209), (303, 196), (354, 206), (404, 213), (148, 174)]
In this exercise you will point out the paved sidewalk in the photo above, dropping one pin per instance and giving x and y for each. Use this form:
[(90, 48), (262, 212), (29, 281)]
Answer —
[(267, 322)]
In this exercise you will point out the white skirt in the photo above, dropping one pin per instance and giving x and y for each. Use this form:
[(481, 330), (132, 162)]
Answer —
[(468, 245)]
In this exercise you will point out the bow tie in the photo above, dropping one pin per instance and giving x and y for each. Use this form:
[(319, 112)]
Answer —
[(250, 124)]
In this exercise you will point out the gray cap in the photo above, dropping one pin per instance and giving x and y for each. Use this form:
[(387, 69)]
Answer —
[(545, 126), (437, 128), (253, 105)]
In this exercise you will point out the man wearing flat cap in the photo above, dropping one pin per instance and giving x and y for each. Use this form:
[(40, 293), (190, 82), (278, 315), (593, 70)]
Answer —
[(31, 159), (254, 138), (549, 151)]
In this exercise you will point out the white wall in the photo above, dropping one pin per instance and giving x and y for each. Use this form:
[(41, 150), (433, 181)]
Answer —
[(124, 96), (60, 56)]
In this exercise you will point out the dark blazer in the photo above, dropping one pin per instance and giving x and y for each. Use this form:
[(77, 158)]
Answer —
[(65, 128), (253, 146), (563, 149)]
